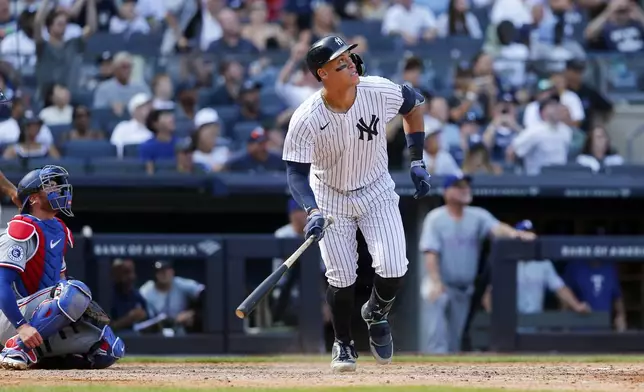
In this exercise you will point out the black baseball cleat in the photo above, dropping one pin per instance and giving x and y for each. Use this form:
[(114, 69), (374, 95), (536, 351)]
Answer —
[(343, 357), (380, 340)]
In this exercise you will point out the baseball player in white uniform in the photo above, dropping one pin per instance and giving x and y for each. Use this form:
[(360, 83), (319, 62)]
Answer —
[(336, 156)]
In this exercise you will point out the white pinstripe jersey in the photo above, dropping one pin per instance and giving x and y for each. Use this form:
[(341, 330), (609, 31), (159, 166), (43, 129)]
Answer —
[(348, 150)]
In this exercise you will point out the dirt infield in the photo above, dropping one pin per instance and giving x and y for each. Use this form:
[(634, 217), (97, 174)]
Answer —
[(539, 376)]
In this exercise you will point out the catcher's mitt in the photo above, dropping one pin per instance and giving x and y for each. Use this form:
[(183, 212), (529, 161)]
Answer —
[(95, 313)]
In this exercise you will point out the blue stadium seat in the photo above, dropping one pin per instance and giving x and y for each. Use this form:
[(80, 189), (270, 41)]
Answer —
[(568, 169), (116, 166), (83, 97), (242, 130), (89, 149), (75, 166), (131, 151), (165, 166), (100, 42), (58, 131), (204, 97), (102, 118), (228, 116), (146, 45), (184, 127), (13, 166)]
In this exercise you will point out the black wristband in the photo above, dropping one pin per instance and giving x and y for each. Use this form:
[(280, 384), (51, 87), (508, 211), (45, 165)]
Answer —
[(415, 143)]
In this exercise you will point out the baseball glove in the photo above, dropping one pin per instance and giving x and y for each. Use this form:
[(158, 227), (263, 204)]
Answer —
[(97, 315)]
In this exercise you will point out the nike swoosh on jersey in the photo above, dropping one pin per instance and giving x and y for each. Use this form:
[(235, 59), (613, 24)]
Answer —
[(53, 244), (327, 124)]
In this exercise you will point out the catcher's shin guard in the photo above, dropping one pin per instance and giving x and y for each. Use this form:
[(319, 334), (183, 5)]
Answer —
[(69, 302), (110, 349)]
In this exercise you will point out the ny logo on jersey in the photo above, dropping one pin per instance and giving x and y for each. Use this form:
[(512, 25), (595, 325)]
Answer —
[(369, 130)]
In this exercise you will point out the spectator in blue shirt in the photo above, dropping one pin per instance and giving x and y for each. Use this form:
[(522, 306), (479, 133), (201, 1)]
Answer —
[(231, 41), (597, 284), (162, 145), (257, 157), (128, 306), (619, 28)]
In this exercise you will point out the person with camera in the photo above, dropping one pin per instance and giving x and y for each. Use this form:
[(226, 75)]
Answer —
[(503, 128)]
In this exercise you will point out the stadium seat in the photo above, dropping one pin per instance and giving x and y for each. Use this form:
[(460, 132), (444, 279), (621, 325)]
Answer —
[(89, 149), (184, 127), (75, 166), (100, 42), (59, 131), (629, 170), (131, 151), (116, 166), (102, 118), (242, 130), (146, 45), (13, 166), (228, 116), (165, 166), (569, 168)]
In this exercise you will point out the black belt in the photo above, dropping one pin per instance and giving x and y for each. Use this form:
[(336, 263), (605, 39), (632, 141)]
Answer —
[(337, 190)]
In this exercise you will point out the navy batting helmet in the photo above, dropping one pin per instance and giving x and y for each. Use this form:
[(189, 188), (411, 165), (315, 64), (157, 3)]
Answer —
[(328, 49), (54, 181)]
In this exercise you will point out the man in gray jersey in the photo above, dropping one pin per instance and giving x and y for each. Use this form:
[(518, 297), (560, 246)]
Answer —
[(336, 159), (451, 240)]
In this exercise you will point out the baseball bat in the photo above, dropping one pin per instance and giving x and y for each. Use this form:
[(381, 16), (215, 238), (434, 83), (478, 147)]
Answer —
[(249, 304)]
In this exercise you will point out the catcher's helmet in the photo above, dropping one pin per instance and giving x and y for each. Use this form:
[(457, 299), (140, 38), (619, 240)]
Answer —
[(54, 181), (327, 49)]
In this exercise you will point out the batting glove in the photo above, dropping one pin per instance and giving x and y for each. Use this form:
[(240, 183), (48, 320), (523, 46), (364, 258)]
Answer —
[(420, 177), (314, 225)]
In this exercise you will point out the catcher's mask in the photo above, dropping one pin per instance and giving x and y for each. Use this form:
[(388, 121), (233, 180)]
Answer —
[(54, 181)]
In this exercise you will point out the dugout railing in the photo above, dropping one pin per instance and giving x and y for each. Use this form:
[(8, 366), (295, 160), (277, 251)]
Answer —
[(505, 336), (219, 262)]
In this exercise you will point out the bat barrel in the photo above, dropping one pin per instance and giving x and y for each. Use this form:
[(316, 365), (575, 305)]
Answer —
[(250, 303)]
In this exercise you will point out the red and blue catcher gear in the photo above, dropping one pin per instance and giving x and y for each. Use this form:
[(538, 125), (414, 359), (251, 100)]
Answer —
[(54, 181), (43, 267)]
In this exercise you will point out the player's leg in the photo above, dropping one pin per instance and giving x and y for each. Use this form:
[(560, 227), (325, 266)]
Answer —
[(383, 230), (339, 250), (82, 345), (67, 303), (459, 308)]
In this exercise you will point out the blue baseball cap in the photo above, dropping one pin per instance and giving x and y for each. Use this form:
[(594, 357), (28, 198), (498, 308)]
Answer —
[(451, 180), (293, 206), (524, 225)]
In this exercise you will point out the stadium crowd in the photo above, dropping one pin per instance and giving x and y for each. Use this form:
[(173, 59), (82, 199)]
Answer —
[(211, 99)]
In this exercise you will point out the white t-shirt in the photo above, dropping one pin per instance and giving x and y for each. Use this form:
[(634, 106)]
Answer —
[(543, 145), (593, 163), (413, 21), (210, 30), (569, 99), (443, 164), (218, 156), (137, 25), (129, 132), (18, 49), (52, 115), (10, 132)]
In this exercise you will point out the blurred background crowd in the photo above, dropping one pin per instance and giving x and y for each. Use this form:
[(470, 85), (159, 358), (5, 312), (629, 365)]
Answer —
[(209, 85)]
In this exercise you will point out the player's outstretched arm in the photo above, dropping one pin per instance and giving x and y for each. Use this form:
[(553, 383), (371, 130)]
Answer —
[(9, 189), (414, 126), (298, 183), (9, 306)]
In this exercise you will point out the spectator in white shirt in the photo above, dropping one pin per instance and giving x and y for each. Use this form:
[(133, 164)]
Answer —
[(459, 21), (294, 86), (597, 152), (519, 12), (18, 48), (10, 128), (409, 21), (439, 162), (133, 131), (545, 143), (554, 88), (208, 152), (128, 21), (58, 111)]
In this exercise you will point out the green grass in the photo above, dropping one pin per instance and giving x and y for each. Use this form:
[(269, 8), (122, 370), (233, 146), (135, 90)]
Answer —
[(483, 358), (97, 388)]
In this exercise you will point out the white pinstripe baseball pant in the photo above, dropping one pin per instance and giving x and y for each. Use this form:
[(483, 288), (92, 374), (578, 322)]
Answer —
[(374, 209)]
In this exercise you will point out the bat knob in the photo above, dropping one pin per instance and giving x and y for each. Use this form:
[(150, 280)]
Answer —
[(239, 313)]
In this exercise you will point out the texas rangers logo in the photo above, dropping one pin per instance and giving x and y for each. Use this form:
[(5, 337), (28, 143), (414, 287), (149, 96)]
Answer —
[(370, 129), (16, 254)]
